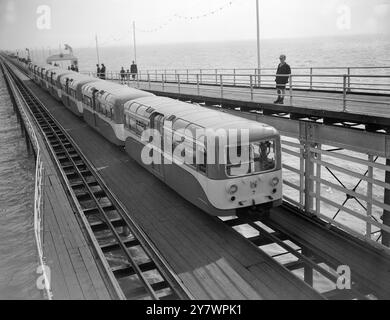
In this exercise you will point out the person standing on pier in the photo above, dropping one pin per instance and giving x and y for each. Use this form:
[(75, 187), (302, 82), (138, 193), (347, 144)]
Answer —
[(123, 75), (282, 78), (98, 71), (134, 70), (103, 72)]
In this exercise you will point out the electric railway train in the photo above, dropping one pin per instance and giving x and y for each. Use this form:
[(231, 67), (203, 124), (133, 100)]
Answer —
[(122, 114)]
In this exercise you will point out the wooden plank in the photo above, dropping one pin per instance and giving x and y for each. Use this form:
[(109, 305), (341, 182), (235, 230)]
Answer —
[(94, 274), (82, 275), (58, 284), (71, 280)]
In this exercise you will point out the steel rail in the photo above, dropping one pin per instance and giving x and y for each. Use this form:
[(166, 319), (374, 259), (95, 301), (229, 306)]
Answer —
[(77, 170)]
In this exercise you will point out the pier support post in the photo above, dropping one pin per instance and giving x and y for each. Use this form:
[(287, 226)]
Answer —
[(308, 271), (386, 214), (309, 183)]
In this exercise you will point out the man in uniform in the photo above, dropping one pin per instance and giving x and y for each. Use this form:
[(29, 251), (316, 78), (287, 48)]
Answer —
[(282, 78)]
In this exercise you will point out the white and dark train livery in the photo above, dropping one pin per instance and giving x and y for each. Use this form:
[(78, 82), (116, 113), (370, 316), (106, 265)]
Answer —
[(121, 114)]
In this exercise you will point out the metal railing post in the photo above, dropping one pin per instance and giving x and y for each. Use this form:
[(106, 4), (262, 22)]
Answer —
[(149, 81), (251, 86), (197, 84), (188, 79), (216, 76), (162, 83), (234, 77), (349, 79), (201, 77), (344, 93), (259, 78), (291, 90), (311, 78), (221, 79)]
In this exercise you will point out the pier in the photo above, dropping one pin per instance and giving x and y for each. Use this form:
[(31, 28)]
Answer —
[(332, 126)]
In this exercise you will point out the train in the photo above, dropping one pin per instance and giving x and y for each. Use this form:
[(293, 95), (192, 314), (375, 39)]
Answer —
[(122, 115)]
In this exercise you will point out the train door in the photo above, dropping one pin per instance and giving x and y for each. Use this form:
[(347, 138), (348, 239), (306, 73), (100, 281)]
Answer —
[(157, 123), (94, 106)]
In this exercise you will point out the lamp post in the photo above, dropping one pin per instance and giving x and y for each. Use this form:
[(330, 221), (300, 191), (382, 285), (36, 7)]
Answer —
[(258, 41), (97, 49), (135, 44)]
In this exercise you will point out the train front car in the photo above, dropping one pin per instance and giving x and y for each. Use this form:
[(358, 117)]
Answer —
[(223, 164), (103, 104)]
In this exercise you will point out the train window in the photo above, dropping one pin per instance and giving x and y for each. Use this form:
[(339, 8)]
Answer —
[(262, 158), (87, 100), (238, 169), (194, 129), (144, 111), (134, 107), (140, 127), (202, 167), (132, 123), (178, 139), (180, 124)]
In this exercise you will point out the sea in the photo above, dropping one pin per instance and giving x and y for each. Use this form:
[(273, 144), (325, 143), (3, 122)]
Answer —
[(351, 51), (18, 253), (18, 256)]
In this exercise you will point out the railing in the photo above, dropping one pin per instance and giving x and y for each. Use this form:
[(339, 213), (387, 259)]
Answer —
[(342, 96), (38, 193), (313, 79), (340, 90)]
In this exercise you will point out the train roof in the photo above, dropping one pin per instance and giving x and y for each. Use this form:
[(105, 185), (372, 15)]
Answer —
[(80, 80), (116, 91), (203, 117)]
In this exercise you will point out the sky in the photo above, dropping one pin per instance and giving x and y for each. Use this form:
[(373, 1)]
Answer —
[(47, 23)]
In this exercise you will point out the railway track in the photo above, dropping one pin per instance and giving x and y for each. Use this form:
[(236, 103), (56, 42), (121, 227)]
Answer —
[(133, 266)]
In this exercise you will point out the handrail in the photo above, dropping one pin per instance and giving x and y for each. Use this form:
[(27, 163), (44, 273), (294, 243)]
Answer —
[(254, 86), (38, 189)]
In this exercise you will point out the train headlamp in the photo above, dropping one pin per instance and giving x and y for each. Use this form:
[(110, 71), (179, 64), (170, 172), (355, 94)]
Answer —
[(275, 181), (233, 189)]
